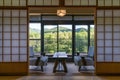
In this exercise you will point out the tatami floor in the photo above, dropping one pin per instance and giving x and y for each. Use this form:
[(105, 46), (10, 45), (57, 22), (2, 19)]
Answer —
[(73, 74), (71, 68)]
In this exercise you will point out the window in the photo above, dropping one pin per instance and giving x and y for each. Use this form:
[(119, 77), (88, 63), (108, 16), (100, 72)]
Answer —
[(35, 36)]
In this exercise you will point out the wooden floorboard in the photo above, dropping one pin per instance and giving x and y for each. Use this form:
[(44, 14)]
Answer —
[(60, 77), (72, 74)]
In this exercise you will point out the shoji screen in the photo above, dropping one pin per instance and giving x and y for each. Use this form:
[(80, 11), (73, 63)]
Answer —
[(80, 2), (13, 41), (108, 41), (43, 2), (108, 2), (13, 2)]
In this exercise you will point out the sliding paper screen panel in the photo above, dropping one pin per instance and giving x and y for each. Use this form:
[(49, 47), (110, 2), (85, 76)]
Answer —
[(80, 2), (43, 2), (13, 38), (108, 40), (108, 3), (84, 2), (13, 3)]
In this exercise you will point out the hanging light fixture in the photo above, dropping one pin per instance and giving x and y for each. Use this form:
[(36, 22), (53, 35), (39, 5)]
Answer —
[(61, 12)]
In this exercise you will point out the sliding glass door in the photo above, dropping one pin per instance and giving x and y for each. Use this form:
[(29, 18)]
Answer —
[(65, 38), (84, 37), (69, 34), (35, 37), (81, 38), (50, 39), (58, 38), (61, 37)]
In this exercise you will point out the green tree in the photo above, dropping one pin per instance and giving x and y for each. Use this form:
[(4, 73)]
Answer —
[(65, 40)]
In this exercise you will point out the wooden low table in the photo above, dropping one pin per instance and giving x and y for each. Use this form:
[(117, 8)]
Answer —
[(60, 59)]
